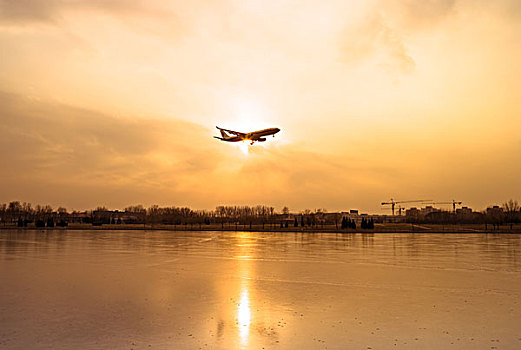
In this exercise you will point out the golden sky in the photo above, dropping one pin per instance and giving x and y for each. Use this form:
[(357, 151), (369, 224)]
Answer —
[(114, 102)]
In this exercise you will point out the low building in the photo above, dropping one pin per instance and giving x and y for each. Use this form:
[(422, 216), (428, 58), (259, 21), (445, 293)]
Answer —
[(494, 210), (464, 211)]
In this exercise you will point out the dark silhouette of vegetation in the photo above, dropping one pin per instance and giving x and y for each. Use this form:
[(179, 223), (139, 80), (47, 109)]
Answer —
[(367, 224), (512, 214), (260, 217), (344, 224)]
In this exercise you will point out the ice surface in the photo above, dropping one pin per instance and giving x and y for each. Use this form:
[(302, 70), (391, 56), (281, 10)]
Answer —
[(242, 290)]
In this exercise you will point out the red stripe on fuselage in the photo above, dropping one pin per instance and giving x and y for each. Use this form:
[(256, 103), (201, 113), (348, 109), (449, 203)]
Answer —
[(264, 132)]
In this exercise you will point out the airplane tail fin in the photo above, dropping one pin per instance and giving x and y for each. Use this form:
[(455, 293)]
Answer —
[(224, 134)]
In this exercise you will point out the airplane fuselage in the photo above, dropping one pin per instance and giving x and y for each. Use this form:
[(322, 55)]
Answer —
[(255, 136)]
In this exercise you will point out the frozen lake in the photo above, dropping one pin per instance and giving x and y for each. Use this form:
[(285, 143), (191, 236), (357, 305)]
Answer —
[(227, 290)]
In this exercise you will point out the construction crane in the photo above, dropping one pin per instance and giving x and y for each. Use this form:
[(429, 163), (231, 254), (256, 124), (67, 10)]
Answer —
[(454, 203), (393, 203), (399, 209)]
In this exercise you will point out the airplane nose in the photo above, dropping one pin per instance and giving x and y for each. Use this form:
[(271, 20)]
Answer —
[(277, 130)]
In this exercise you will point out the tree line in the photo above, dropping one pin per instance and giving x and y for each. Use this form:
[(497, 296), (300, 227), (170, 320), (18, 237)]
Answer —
[(24, 214)]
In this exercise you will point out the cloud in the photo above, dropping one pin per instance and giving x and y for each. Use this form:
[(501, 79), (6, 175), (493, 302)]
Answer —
[(420, 14), (381, 36), (78, 157), (424, 15), (106, 56), (375, 41), (52, 143), (26, 11)]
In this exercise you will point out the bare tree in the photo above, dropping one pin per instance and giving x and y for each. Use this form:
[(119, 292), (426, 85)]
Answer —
[(511, 206), (511, 209)]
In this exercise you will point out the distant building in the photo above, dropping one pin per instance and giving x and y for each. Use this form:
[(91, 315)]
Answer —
[(429, 209), (464, 211), (351, 214), (412, 212), (357, 217), (496, 209)]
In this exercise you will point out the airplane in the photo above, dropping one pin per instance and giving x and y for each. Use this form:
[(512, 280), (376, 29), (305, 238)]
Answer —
[(237, 136)]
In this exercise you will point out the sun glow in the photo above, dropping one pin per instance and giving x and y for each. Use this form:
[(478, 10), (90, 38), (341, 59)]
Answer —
[(246, 112), (244, 146)]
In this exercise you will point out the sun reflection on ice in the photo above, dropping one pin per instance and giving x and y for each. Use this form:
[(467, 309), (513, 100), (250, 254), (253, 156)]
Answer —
[(244, 316)]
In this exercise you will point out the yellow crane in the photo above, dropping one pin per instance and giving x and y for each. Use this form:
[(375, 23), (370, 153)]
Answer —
[(393, 203), (454, 203)]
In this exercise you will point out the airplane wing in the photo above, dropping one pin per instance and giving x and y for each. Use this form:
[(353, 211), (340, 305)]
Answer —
[(232, 132)]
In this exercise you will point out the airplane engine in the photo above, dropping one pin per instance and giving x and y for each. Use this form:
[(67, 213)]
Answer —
[(262, 139)]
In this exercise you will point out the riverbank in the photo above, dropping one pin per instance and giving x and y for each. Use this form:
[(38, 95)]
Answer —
[(379, 228)]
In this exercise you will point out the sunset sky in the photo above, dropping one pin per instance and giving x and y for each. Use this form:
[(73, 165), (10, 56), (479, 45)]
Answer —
[(115, 102)]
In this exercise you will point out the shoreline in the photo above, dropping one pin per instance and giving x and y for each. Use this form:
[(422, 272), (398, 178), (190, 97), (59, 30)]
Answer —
[(386, 228)]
